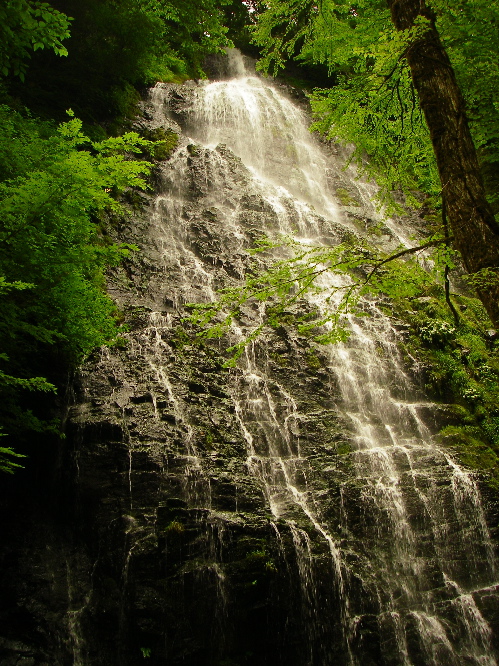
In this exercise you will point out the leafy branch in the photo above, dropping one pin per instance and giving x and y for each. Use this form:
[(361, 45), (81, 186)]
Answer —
[(332, 279)]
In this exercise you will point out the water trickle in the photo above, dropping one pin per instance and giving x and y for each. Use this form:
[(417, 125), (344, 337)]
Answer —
[(410, 516), (407, 480)]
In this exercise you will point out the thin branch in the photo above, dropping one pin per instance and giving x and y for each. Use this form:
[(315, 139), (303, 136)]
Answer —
[(402, 253)]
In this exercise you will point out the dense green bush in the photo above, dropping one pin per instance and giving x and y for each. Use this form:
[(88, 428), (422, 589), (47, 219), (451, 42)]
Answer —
[(56, 186), (116, 48)]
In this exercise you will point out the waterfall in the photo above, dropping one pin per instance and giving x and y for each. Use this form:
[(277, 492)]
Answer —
[(384, 530)]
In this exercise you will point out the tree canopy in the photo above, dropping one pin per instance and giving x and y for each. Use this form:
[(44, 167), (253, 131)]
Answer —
[(26, 27), (374, 104), (115, 49)]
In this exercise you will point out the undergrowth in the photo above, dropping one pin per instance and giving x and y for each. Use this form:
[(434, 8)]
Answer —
[(459, 366)]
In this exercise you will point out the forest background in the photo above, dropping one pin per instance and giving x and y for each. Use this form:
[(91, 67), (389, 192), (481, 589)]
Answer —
[(71, 76)]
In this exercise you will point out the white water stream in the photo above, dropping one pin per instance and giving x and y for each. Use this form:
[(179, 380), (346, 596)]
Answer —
[(422, 513)]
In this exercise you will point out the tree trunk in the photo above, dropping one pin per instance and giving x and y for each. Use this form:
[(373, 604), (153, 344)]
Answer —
[(475, 231)]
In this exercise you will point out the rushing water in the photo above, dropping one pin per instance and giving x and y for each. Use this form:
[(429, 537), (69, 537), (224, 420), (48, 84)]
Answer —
[(422, 534)]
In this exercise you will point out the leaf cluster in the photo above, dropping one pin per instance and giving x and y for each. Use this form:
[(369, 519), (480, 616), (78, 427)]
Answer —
[(329, 284), (56, 187), (27, 26), (116, 48)]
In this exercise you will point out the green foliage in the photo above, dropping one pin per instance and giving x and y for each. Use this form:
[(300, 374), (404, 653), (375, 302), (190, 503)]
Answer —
[(240, 17), (436, 330), (209, 439), (343, 448), (27, 26), (7, 464), (56, 187), (468, 443), (484, 278), (260, 561), (313, 361), (117, 48), (191, 29), (345, 198), (48, 236), (336, 277), (461, 367), (460, 360), (373, 104)]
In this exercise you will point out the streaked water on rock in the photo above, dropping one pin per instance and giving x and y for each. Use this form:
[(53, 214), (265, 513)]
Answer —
[(407, 552)]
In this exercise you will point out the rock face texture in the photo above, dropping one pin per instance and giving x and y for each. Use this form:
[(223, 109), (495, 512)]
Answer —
[(290, 510)]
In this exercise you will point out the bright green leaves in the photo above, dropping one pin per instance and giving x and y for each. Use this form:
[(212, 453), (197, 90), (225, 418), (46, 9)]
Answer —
[(181, 34), (7, 458), (279, 30), (374, 105), (48, 235), (58, 189), (53, 253), (27, 26), (327, 282)]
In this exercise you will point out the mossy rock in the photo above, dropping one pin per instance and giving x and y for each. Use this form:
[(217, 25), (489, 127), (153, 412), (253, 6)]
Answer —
[(166, 141), (471, 451), (345, 198), (193, 150), (343, 448), (166, 145)]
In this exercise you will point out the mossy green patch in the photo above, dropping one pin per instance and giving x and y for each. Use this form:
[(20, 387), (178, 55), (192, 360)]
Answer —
[(313, 360), (165, 142), (209, 439), (345, 198), (471, 450), (460, 365), (175, 527), (343, 448), (193, 150)]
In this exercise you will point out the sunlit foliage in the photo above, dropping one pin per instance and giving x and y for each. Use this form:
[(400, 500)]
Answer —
[(374, 104), (56, 186)]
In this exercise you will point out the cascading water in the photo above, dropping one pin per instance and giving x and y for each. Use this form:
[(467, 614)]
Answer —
[(407, 548)]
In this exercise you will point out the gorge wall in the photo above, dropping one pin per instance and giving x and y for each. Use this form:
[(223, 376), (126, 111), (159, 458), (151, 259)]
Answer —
[(293, 510)]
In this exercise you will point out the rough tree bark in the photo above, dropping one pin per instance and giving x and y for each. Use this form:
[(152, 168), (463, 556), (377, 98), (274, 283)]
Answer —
[(475, 231)]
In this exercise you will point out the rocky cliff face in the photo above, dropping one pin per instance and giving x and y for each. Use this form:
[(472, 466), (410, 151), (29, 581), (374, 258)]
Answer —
[(292, 510)]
